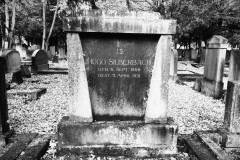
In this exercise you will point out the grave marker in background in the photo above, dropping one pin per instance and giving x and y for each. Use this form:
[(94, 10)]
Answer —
[(13, 60), (119, 71), (39, 61), (212, 84), (173, 64)]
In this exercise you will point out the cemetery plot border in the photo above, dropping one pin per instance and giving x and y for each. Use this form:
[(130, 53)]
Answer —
[(32, 94)]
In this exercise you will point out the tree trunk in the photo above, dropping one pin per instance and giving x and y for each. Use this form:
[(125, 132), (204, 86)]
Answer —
[(11, 33), (53, 22), (44, 24), (5, 44)]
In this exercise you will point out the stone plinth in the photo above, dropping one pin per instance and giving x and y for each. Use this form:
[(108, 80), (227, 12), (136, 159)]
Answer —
[(126, 134), (118, 75), (214, 66)]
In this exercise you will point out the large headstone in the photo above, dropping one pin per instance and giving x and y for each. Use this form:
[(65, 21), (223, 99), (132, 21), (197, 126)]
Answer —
[(118, 72), (39, 61), (232, 107), (13, 60), (214, 66)]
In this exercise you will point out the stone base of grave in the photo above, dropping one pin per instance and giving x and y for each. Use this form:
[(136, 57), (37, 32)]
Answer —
[(212, 88), (42, 67), (127, 138), (229, 139)]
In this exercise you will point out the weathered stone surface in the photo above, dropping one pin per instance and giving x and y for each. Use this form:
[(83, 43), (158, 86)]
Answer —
[(4, 126), (79, 101), (202, 55), (124, 134), (212, 88), (232, 108), (13, 60), (118, 22), (229, 139), (61, 52), (234, 66), (53, 50), (198, 84), (198, 148), (157, 101), (18, 147), (194, 54), (118, 82), (36, 149), (214, 67), (214, 64), (173, 63), (30, 95), (39, 61)]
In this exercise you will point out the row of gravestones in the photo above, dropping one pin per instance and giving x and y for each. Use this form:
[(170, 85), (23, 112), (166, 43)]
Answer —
[(53, 54), (20, 69), (197, 55)]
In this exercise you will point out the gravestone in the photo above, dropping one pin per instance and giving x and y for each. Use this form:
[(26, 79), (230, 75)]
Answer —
[(55, 59), (13, 60), (194, 54), (52, 50), (118, 78), (231, 131), (173, 64), (39, 61), (202, 55), (61, 52), (180, 54), (13, 64), (22, 51), (4, 126), (212, 84)]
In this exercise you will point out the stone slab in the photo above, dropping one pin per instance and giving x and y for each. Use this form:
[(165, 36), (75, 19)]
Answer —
[(30, 95), (36, 149), (110, 21), (126, 134), (215, 147), (197, 148), (232, 107), (19, 146), (212, 88)]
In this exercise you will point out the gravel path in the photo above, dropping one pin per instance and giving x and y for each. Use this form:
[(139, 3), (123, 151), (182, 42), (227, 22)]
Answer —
[(191, 110)]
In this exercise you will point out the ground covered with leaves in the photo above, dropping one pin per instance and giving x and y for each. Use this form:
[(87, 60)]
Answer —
[(190, 110)]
